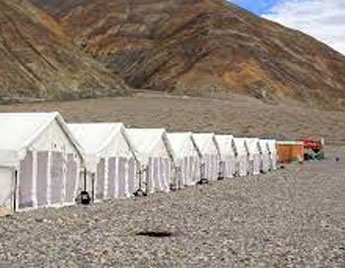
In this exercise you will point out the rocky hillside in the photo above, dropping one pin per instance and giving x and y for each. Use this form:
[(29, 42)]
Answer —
[(39, 61), (202, 47)]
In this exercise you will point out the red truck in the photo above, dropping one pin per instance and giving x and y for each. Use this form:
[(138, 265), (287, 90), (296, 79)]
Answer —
[(314, 148)]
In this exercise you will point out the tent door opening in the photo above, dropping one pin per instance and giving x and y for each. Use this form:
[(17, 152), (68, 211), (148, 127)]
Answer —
[(221, 172)]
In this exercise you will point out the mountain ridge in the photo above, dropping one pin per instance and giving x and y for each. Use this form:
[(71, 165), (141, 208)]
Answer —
[(40, 62), (202, 48)]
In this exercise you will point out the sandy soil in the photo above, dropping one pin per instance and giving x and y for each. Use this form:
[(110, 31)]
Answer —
[(294, 217), (240, 115)]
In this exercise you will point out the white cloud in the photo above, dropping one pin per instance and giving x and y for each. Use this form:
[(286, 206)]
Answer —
[(322, 19)]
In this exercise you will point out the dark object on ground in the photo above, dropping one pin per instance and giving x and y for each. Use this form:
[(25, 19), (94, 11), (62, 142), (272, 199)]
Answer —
[(337, 159), (139, 193), (83, 198), (314, 155), (173, 187), (203, 181), (158, 234)]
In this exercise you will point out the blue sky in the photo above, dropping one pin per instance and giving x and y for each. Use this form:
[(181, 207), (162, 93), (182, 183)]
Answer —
[(322, 19), (258, 7)]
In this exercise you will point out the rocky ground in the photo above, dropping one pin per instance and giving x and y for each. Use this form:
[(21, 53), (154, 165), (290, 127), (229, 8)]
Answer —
[(294, 217), (291, 217)]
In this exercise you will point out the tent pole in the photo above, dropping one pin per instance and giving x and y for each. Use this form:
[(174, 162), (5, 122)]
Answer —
[(140, 178), (85, 179), (15, 190), (93, 188), (221, 170)]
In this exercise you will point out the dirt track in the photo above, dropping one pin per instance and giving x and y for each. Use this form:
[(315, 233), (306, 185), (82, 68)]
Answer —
[(240, 116)]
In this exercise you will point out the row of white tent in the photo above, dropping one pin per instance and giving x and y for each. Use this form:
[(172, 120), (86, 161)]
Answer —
[(45, 162)]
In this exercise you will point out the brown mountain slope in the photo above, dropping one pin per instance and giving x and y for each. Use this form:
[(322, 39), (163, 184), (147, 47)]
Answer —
[(39, 61), (203, 47)]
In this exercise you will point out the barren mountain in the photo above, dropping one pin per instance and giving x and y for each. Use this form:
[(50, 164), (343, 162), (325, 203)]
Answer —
[(38, 60), (202, 47)]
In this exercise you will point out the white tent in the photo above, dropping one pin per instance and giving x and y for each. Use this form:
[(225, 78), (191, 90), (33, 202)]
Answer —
[(242, 160), (265, 156), (40, 161), (207, 145), (156, 159), (272, 145), (227, 153), (109, 159), (254, 155), (188, 158)]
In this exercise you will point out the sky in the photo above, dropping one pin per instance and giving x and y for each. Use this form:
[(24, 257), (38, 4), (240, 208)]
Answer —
[(322, 19)]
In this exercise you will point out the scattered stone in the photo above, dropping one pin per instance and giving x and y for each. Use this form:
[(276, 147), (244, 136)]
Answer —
[(280, 219), (5, 212)]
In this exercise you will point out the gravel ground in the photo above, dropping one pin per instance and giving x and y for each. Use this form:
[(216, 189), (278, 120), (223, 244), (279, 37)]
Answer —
[(292, 217)]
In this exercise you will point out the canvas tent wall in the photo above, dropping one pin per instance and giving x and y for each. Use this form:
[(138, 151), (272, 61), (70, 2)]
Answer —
[(290, 151), (40, 161), (254, 155), (265, 156), (272, 145), (242, 157), (227, 153), (109, 159), (207, 145), (156, 158), (187, 158)]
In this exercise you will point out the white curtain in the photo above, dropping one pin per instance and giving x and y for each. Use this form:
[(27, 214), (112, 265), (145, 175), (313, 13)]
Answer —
[(265, 160), (71, 178), (229, 166), (242, 165), (42, 180), (6, 184), (100, 180), (56, 177), (256, 164), (25, 183)]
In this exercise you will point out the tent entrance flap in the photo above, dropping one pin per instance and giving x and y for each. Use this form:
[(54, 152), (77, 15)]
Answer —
[(25, 193), (6, 182)]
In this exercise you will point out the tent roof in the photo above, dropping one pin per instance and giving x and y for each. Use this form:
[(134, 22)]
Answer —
[(271, 144), (289, 142), (203, 140), (94, 137), (145, 141), (20, 130), (179, 141), (8, 158), (225, 143), (241, 145), (252, 144), (264, 145)]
